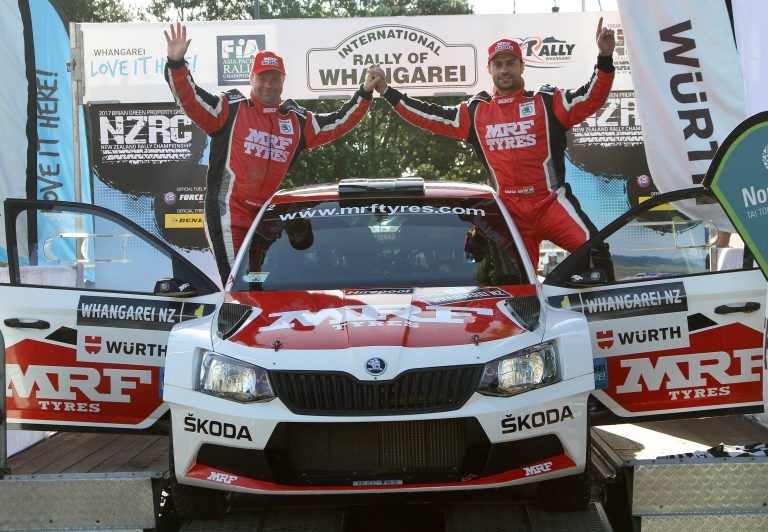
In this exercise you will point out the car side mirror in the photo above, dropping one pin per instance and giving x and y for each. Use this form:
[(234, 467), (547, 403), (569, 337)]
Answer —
[(174, 288), (586, 278)]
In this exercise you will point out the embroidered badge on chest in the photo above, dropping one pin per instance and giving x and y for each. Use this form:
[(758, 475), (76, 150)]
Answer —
[(286, 127), (526, 109)]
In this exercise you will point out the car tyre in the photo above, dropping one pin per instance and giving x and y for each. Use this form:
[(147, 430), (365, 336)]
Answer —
[(571, 493), (194, 502)]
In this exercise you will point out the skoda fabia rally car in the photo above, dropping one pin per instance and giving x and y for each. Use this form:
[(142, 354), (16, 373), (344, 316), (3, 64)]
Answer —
[(377, 336), (381, 336)]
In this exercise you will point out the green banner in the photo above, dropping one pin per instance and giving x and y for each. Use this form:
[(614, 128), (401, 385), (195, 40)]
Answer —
[(738, 176)]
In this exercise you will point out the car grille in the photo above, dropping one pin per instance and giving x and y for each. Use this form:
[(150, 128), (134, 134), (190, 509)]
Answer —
[(411, 452), (415, 391), (436, 446)]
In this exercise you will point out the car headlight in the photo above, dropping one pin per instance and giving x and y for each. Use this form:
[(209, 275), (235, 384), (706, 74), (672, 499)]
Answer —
[(234, 380), (521, 371)]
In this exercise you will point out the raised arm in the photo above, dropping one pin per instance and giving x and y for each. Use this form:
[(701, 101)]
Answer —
[(573, 106), (208, 111), (451, 121)]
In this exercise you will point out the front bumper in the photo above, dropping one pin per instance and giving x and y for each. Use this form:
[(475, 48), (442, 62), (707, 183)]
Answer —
[(488, 442)]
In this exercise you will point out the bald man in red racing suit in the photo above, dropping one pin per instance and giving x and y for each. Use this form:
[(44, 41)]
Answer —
[(254, 140), (520, 138)]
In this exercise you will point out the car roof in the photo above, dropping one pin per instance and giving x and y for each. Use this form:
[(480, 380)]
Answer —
[(432, 189)]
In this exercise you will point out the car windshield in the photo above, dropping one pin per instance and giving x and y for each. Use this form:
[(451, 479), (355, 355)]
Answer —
[(380, 243)]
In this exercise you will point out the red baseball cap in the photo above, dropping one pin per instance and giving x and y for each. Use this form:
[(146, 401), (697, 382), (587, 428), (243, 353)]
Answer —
[(505, 46), (266, 60)]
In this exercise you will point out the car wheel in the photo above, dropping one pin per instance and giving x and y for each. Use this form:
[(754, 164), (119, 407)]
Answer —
[(570, 493), (194, 502)]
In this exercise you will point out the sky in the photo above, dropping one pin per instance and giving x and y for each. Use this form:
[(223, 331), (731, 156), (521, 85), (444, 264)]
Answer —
[(496, 7), (490, 7)]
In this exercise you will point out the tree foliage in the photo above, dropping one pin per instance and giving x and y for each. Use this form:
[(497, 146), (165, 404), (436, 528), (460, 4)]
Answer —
[(383, 144), (97, 11), (270, 9)]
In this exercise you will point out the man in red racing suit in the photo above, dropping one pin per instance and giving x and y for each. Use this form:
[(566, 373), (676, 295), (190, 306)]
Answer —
[(254, 140), (520, 138)]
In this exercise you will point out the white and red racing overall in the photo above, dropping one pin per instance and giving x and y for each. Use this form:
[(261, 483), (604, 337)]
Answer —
[(521, 140), (252, 148)]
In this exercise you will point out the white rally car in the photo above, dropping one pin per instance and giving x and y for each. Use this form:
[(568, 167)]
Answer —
[(376, 336)]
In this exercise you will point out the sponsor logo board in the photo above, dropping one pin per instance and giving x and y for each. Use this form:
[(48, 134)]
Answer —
[(519, 423), (183, 221), (406, 315), (212, 427), (221, 478), (639, 335), (130, 313), (538, 469), (411, 57), (121, 346), (234, 54), (601, 373), (625, 302), (633, 301), (46, 383), (448, 296), (723, 367)]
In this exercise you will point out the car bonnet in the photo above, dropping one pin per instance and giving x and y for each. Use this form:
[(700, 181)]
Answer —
[(405, 317)]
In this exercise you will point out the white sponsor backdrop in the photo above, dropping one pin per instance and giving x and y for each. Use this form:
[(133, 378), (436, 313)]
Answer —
[(327, 57), (750, 18)]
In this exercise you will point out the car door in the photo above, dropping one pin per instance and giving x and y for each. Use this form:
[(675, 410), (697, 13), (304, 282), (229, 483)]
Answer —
[(88, 301), (676, 322)]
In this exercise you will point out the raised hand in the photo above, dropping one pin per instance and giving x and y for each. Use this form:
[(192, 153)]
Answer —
[(379, 76), (177, 41), (371, 79), (606, 40)]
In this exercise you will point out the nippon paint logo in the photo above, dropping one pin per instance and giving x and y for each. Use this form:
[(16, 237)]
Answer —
[(547, 52), (235, 56)]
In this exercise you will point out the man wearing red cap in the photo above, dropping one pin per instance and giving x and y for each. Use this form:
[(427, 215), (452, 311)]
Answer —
[(520, 137), (254, 140)]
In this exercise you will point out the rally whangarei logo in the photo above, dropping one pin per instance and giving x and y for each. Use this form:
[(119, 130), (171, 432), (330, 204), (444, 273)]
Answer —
[(546, 52)]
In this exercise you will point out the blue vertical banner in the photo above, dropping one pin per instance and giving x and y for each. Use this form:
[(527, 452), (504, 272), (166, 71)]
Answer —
[(15, 107), (55, 170), (738, 176)]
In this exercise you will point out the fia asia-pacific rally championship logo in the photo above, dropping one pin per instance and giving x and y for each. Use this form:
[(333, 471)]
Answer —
[(234, 54)]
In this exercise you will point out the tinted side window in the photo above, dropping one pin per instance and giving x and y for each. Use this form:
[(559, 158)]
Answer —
[(665, 242), (75, 247), (658, 240)]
